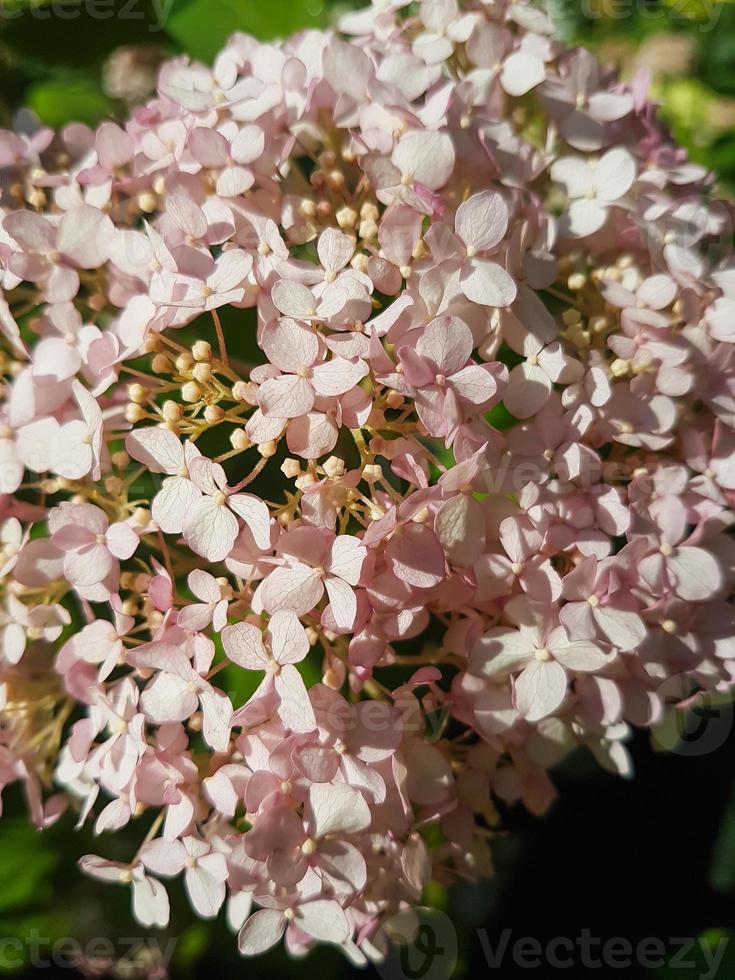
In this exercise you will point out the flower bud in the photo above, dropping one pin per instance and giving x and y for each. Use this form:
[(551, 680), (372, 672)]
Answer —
[(213, 414), (240, 440), (161, 364), (191, 392), (202, 351)]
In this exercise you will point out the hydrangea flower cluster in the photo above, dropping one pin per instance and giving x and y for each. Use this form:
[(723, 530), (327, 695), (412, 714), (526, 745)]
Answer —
[(367, 445)]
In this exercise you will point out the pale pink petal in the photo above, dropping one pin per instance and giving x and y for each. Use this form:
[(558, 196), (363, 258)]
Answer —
[(540, 689), (294, 708), (173, 503), (342, 601), (210, 529), (262, 930), (243, 644), (286, 397), (482, 220), (487, 283), (289, 641), (336, 809), (255, 514)]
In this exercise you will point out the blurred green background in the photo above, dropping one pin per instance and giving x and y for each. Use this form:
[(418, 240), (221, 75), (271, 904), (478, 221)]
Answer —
[(92, 59)]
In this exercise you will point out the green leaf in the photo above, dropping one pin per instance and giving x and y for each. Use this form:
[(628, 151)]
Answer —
[(58, 102), (26, 864), (201, 27)]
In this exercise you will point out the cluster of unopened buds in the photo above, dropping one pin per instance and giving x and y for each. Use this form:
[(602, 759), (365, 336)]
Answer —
[(367, 441)]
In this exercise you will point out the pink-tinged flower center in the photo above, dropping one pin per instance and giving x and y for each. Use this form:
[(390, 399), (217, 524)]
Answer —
[(183, 472), (669, 626), (99, 538), (440, 380), (219, 498), (593, 601), (517, 567), (126, 876), (87, 440), (666, 549), (532, 359), (303, 372), (191, 862), (542, 654), (308, 847), (272, 668)]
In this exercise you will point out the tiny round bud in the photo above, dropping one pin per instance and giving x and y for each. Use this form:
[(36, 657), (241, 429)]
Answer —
[(346, 217), (202, 351), (240, 391), (334, 466), (202, 372), (191, 392), (268, 449), (161, 364), (368, 230), (308, 208), (152, 343), (184, 363), (114, 486), (372, 472), (290, 468), (173, 411), (576, 281), (359, 263), (120, 459), (134, 413), (147, 202), (369, 212), (213, 414), (240, 440), (324, 209), (394, 399), (137, 393)]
